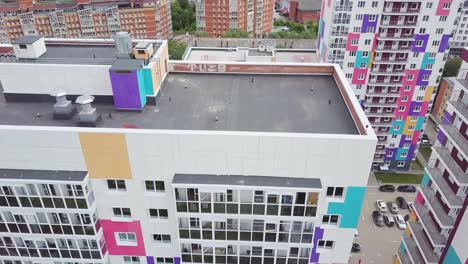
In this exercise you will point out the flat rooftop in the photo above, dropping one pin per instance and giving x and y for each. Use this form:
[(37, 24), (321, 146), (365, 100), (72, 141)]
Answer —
[(239, 55), (219, 102), (264, 181), (47, 175)]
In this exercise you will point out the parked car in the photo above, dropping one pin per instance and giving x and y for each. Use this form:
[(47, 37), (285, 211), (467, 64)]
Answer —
[(406, 188), (436, 128), (387, 188), (388, 219), (393, 207), (381, 206), (401, 202), (400, 222), (355, 248), (425, 142), (378, 219)]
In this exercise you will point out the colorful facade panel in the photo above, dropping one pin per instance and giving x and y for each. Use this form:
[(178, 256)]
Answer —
[(318, 234), (349, 41), (111, 229), (350, 209), (105, 155)]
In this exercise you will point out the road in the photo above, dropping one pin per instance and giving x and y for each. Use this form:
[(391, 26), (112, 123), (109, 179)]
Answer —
[(378, 244)]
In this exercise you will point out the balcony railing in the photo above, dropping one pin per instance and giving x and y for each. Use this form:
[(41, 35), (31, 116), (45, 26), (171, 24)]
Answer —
[(451, 165), (399, 23), (384, 83), (389, 60), (444, 188), (348, 7), (422, 242), (382, 94), (413, 250), (437, 209), (428, 224), (393, 47), (380, 104), (381, 124), (380, 114), (457, 137), (404, 258), (339, 34), (401, 10)]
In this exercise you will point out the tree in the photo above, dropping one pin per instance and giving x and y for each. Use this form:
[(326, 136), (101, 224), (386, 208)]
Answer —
[(176, 49), (183, 16), (451, 67)]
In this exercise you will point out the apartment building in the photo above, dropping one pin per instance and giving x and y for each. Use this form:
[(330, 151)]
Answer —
[(219, 16), (227, 162), (437, 228), (85, 19), (460, 32), (392, 53)]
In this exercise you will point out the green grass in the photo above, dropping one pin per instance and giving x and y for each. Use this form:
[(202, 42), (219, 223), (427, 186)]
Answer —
[(425, 152), (391, 177), (415, 165)]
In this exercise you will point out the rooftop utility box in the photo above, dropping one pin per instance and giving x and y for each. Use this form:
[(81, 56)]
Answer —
[(143, 50), (29, 47)]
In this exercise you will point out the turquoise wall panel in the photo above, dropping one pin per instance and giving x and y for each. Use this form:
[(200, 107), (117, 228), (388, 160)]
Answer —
[(425, 180), (397, 127), (426, 60), (141, 87), (148, 81), (420, 123), (402, 247), (360, 59), (399, 152), (350, 209), (451, 257)]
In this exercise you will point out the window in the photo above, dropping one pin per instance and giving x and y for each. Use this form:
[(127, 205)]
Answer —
[(402, 108), (361, 76), (352, 53), (325, 244), (413, 66), (116, 185), (22, 46), (419, 43), (350, 64), (422, 88), (122, 212), (155, 186), (125, 239), (365, 54), (425, 77), (367, 42), (428, 66), (389, 154), (363, 65), (356, 29), (443, 18), (425, 18), (164, 260), (358, 87), (446, 5), (354, 41), (330, 219), (158, 213), (372, 17), (375, 3), (131, 260), (361, 4), (435, 43), (410, 77), (358, 17), (429, 5), (439, 30), (407, 88), (349, 76), (406, 145), (404, 154), (404, 98), (417, 108), (162, 238), (419, 98), (335, 191)]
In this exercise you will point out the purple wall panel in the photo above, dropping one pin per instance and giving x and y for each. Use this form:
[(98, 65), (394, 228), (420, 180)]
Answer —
[(176, 260), (366, 23), (420, 80), (149, 260), (424, 38), (411, 151), (125, 89), (318, 234), (447, 118), (412, 106), (444, 43), (441, 137), (404, 140), (390, 153)]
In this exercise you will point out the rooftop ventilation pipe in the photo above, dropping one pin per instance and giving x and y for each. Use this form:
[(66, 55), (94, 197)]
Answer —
[(63, 108), (123, 45), (88, 115)]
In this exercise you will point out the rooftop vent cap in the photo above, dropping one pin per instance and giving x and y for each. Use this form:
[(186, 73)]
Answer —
[(63, 108), (88, 115), (123, 44)]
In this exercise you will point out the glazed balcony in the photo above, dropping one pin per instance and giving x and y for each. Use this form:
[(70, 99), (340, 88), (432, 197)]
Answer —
[(398, 24), (450, 164), (382, 94), (437, 209), (376, 82), (380, 104), (447, 192), (434, 234), (393, 47), (423, 243), (401, 10), (379, 114)]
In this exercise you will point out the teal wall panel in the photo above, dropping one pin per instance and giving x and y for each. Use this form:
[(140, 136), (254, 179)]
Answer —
[(451, 257), (141, 87), (425, 180), (148, 81), (419, 123), (402, 247), (426, 60), (360, 59), (399, 154), (350, 209), (397, 131)]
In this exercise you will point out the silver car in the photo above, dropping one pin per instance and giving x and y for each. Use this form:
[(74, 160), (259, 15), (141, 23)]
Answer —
[(393, 207)]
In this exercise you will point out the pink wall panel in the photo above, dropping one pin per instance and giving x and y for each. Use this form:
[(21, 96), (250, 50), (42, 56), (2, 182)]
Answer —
[(356, 75), (349, 46), (440, 11), (419, 199), (112, 227), (415, 138)]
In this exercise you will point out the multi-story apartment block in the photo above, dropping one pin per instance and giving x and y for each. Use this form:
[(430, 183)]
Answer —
[(460, 31), (85, 19), (217, 17), (437, 228), (228, 162), (392, 52)]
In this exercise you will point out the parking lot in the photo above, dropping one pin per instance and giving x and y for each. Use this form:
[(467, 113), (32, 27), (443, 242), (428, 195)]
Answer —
[(378, 244)]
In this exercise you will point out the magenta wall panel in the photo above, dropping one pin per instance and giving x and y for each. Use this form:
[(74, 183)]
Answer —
[(111, 227)]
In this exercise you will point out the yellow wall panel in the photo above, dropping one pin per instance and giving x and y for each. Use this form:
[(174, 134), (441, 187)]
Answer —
[(428, 95), (106, 155)]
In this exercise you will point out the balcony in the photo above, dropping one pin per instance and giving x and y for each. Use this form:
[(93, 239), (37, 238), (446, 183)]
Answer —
[(399, 10), (444, 188), (428, 224), (387, 72), (382, 93), (380, 114), (373, 82), (412, 249), (380, 104), (339, 34), (381, 124), (379, 151), (423, 244), (438, 211), (393, 48), (456, 137), (404, 258), (387, 60), (346, 8), (394, 36), (399, 24), (451, 165), (461, 108)]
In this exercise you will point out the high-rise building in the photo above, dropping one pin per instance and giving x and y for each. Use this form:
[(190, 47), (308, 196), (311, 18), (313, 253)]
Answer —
[(85, 19), (227, 162), (252, 16), (436, 231), (392, 52), (460, 32)]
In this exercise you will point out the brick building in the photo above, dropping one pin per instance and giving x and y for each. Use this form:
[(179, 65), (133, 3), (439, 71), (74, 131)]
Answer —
[(304, 11)]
